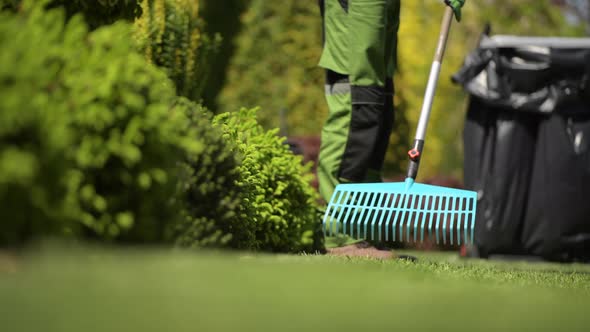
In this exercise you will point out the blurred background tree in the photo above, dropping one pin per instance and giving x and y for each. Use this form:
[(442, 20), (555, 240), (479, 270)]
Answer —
[(275, 65), (224, 19), (170, 35)]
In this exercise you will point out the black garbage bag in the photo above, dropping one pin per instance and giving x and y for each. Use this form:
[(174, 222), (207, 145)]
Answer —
[(527, 145), (556, 223)]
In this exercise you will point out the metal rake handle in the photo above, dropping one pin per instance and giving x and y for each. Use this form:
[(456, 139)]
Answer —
[(416, 152)]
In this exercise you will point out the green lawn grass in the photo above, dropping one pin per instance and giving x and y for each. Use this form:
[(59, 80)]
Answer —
[(164, 290)]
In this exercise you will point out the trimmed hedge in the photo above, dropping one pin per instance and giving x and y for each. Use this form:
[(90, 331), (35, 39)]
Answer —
[(279, 203), (247, 190)]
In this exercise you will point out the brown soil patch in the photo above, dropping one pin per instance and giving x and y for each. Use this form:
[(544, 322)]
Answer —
[(8, 262), (362, 249)]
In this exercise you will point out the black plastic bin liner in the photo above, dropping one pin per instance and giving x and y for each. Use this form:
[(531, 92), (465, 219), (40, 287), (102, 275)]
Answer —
[(499, 147), (526, 141), (556, 224)]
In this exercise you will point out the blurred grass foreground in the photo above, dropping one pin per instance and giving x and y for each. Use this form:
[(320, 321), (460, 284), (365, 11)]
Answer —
[(162, 290)]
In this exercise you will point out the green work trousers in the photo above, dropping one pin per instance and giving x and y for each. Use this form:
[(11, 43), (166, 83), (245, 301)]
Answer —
[(359, 55)]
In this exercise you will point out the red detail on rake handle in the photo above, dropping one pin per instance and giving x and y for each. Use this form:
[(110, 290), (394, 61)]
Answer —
[(414, 154)]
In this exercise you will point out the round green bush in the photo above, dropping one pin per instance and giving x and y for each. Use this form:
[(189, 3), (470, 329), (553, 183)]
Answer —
[(278, 204)]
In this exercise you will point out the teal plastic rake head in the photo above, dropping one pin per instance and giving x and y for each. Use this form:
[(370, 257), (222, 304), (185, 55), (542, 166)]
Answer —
[(387, 211), (401, 211)]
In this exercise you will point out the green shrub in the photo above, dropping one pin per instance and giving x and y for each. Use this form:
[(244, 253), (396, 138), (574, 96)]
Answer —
[(129, 141), (170, 34), (34, 136), (91, 108), (278, 203), (208, 188)]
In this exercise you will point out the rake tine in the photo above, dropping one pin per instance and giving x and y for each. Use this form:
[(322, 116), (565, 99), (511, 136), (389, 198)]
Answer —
[(403, 221), (416, 215), (351, 209), (360, 216), (466, 221), (459, 221), (438, 213), (452, 219), (403, 199), (391, 211), (382, 218), (358, 209), (430, 217), (381, 215), (371, 214), (328, 215), (472, 219), (445, 216), (346, 207), (333, 216)]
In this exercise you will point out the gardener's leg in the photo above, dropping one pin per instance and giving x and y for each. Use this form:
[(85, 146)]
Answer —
[(335, 60), (355, 136), (371, 120), (386, 126), (334, 132)]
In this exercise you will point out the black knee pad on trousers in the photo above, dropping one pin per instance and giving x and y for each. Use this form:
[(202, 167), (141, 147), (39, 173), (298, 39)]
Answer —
[(368, 105)]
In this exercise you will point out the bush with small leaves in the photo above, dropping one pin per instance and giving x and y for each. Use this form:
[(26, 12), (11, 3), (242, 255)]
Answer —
[(278, 202), (208, 188)]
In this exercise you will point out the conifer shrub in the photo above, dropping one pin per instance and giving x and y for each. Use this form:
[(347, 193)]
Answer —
[(208, 188), (278, 202), (170, 34)]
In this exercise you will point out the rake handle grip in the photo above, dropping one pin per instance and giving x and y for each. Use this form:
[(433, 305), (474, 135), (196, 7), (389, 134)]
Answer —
[(416, 152)]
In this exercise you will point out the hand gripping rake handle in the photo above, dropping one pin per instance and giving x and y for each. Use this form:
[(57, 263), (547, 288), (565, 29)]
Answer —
[(416, 152)]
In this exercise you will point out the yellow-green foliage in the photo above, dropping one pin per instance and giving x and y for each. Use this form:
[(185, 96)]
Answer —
[(170, 34), (275, 65), (87, 140), (279, 205), (34, 135)]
